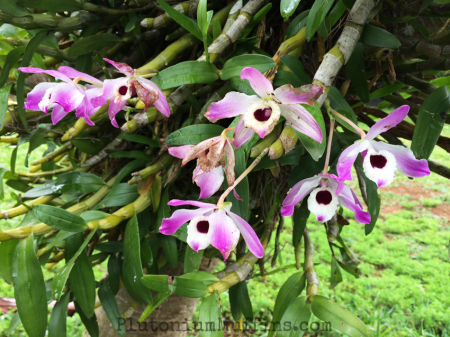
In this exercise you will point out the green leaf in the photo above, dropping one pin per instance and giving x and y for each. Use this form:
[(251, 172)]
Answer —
[(240, 302), (81, 277), (210, 317), (373, 200), (192, 259), (430, 122), (288, 7), (90, 324), (242, 85), (7, 253), (182, 286), (141, 139), (53, 5), (146, 254), (114, 273), (120, 195), (316, 16), (29, 288), (9, 7), (15, 322), (189, 72), (110, 247), (193, 134), (90, 146), (59, 281), (59, 218), (184, 21), (158, 299), (91, 43), (111, 308), (339, 104), (2, 174), (202, 276), (11, 59), (335, 14), (298, 23), (378, 37), (286, 77), (4, 94), (296, 66), (314, 148), (131, 24), (169, 246), (294, 322), (340, 318), (129, 168), (256, 19), (90, 216), (235, 65), (299, 219), (202, 17), (20, 86), (217, 28), (71, 182), (356, 70), (289, 291), (140, 155), (58, 318), (336, 274), (132, 264)]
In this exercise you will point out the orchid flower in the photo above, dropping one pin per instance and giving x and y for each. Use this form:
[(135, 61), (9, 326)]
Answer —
[(381, 160), (324, 200), (261, 113), (119, 90), (63, 96), (209, 174), (210, 224)]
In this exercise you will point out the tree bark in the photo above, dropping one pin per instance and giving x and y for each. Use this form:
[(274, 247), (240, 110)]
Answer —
[(170, 319)]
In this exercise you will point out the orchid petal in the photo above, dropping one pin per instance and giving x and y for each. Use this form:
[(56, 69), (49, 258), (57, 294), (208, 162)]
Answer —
[(179, 218), (72, 73), (406, 162), (107, 93), (67, 95), (201, 147), (259, 83), (301, 120), (297, 193), (394, 118), (114, 109), (380, 167), (209, 182), (241, 134), (306, 94), (58, 113), (146, 93), (323, 210), (199, 233), (180, 151), (176, 202), (36, 95), (225, 234), (348, 157), (262, 117), (161, 103), (232, 105), (122, 67), (53, 73), (249, 235), (348, 199)]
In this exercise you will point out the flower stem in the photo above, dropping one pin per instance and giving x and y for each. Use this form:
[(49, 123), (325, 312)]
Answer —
[(353, 125), (242, 176), (330, 138), (224, 132)]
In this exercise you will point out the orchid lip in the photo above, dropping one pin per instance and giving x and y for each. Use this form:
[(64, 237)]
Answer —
[(262, 115), (123, 90), (324, 197), (378, 161)]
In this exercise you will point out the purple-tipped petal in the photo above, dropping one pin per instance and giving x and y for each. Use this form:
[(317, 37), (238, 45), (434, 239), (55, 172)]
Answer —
[(180, 151), (297, 193), (388, 122), (209, 182), (249, 235), (114, 109), (301, 120), (307, 94), (58, 113), (54, 73), (323, 203), (107, 93), (67, 95), (348, 199), (176, 202), (406, 162), (73, 73), (348, 157), (259, 83), (161, 103), (122, 67), (232, 105), (92, 92), (236, 195), (178, 218), (225, 233), (241, 134), (37, 94)]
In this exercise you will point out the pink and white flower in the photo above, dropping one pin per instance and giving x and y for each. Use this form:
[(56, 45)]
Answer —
[(261, 113), (382, 160), (324, 200), (63, 96), (119, 90), (210, 224), (209, 172)]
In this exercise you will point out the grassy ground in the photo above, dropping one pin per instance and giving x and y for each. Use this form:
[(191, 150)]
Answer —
[(405, 261)]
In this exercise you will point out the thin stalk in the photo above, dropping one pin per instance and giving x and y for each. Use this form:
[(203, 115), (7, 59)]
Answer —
[(330, 138)]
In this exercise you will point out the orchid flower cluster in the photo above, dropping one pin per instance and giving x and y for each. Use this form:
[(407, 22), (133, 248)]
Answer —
[(68, 95)]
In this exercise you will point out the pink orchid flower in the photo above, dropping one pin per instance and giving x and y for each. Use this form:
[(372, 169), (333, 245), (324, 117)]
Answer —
[(209, 173), (324, 200), (63, 96), (119, 90), (210, 224), (381, 160), (261, 113)]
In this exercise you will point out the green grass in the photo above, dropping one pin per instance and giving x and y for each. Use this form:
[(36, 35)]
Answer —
[(405, 263)]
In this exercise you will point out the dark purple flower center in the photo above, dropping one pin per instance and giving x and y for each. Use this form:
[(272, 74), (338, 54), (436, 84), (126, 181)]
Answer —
[(203, 226), (123, 90), (324, 197), (378, 161), (262, 115)]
